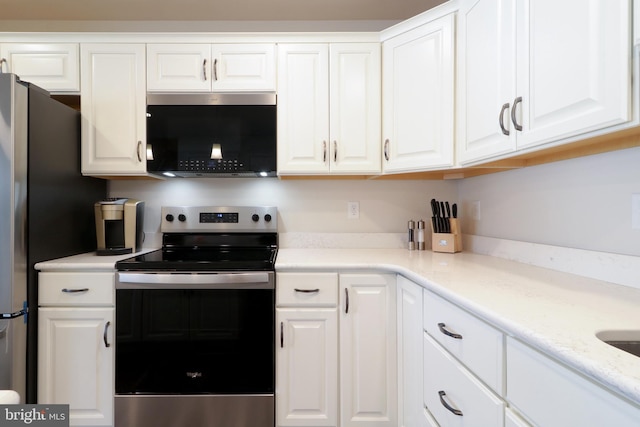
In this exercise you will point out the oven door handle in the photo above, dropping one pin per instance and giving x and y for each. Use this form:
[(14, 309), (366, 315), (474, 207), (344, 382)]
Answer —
[(253, 280)]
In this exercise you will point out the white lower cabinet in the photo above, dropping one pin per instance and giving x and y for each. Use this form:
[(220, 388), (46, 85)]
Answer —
[(75, 345), (411, 412), (454, 395), (335, 369), (549, 394)]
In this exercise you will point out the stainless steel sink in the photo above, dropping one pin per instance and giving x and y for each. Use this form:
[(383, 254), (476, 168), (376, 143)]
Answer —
[(628, 341)]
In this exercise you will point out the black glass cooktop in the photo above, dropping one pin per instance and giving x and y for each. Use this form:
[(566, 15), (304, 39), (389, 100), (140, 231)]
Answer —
[(224, 252)]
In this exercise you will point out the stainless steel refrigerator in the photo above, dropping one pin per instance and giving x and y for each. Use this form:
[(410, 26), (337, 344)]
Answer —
[(46, 212)]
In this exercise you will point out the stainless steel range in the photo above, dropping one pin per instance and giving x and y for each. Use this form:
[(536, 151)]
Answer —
[(195, 322)]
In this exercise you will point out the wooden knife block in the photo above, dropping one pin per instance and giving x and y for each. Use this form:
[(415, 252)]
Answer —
[(447, 242)]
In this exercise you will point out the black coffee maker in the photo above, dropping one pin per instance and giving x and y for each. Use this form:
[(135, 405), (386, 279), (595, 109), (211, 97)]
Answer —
[(119, 224)]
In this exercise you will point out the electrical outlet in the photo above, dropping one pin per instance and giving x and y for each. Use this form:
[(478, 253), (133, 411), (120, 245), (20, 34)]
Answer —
[(475, 210), (353, 210), (635, 211)]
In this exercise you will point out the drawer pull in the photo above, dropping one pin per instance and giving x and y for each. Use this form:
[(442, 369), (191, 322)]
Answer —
[(306, 291), (443, 329), (447, 406), (74, 291), (104, 336)]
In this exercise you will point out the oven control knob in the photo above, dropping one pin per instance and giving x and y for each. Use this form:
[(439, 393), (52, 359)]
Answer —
[(255, 217), (267, 217), (169, 217), (182, 218)]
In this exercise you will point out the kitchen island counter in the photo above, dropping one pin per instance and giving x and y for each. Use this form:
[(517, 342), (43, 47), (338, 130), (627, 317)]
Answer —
[(555, 312)]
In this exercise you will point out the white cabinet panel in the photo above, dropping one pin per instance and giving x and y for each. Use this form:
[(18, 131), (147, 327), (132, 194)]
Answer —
[(329, 108), (453, 395), (75, 366), (534, 72), (179, 67), (197, 67), (410, 361), (52, 66), (573, 69), (418, 93), (307, 289), (551, 395), (303, 108), (477, 345), (367, 350), (307, 367), (113, 109)]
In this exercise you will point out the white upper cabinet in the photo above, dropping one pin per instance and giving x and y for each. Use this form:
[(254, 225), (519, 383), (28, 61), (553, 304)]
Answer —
[(329, 108), (537, 71), (418, 93), (205, 67), (52, 66), (113, 109)]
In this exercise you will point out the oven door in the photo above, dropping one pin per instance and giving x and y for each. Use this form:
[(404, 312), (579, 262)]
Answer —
[(186, 334)]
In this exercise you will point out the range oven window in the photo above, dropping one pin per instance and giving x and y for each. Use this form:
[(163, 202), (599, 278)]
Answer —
[(193, 341)]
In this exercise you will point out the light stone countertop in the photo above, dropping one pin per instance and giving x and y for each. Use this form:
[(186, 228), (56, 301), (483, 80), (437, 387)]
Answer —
[(557, 313)]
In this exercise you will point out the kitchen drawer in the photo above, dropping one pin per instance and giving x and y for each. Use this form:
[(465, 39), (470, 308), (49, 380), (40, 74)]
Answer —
[(448, 383), (71, 289), (476, 344), (307, 289), (551, 395)]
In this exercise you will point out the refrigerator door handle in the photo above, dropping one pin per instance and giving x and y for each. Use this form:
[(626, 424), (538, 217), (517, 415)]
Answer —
[(13, 315)]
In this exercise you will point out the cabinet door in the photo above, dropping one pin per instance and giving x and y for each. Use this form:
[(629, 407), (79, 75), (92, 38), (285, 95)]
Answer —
[(410, 361), (75, 365), (551, 395), (368, 350), (418, 70), (303, 108), (179, 67), (307, 367), (113, 109), (355, 103), (573, 67), (244, 67), (486, 87), (52, 66)]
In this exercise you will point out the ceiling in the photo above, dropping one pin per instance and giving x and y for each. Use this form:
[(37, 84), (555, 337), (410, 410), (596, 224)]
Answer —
[(212, 10)]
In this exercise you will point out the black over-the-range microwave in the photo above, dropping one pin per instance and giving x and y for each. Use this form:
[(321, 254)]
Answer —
[(213, 134)]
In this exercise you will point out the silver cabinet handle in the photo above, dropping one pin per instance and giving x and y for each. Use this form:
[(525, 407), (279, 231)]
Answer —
[(444, 330), (335, 151), (204, 69), (516, 101), (104, 336), (501, 119), (215, 69), (324, 151), (139, 151), (346, 294), (307, 291), (450, 408), (386, 150), (2, 62), (74, 291)]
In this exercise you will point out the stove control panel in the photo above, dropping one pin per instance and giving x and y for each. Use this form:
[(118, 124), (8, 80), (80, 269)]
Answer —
[(237, 219)]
